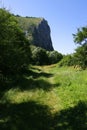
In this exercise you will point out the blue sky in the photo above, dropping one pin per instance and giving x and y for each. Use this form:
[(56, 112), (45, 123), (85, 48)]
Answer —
[(63, 16)]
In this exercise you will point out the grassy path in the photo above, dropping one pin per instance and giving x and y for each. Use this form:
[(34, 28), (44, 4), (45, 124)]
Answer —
[(46, 98)]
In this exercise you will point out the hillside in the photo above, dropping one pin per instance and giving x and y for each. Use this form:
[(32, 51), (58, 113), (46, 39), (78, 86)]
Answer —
[(37, 31)]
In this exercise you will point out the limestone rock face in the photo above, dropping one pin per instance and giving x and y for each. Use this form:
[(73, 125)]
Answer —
[(42, 36), (37, 31)]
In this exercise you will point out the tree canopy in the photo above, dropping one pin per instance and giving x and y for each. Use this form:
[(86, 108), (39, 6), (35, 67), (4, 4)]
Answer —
[(14, 48), (81, 36), (81, 52)]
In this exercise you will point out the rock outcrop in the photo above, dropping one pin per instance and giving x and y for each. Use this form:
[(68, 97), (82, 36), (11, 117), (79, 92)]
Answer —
[(37, 31), (42, 36)]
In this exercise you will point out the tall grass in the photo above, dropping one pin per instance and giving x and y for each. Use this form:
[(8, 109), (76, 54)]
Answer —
[(73, 87), (48, 98)]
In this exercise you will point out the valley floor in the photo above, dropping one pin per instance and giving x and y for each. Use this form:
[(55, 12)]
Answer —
[(46, 98)]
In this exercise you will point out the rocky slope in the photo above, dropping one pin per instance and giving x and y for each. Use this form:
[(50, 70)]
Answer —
[(37, 31)]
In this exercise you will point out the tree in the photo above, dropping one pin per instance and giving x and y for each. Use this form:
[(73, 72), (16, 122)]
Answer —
[(81, 52), (81, 56), (39, 56), (81, 36), (54, 57), (14, 48)]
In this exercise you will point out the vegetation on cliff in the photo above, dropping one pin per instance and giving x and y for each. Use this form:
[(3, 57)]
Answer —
[(37, 31)]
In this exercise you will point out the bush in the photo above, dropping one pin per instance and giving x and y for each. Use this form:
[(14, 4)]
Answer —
[(67, 60), (81, 56), (54, 57), (39, 56)]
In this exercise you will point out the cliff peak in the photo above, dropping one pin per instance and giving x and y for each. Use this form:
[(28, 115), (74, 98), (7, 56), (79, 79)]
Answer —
[(37, 31)]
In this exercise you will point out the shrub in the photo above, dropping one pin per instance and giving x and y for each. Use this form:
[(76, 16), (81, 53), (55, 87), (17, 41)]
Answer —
[(68, 60), (54, 57), (39, 56)]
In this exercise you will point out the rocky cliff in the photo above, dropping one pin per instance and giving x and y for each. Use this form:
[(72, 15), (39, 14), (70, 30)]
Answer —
[(37, 31)]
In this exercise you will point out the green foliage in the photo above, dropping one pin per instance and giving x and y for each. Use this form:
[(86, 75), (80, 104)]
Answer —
[(81, 56), (81, 36), (26, 22), (14, 48), (81, 52), (42, 57), (54, 57), (68, 60), (39, 56)]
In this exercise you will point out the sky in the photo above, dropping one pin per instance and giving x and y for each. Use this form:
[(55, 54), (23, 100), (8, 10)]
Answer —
[(63, 16)]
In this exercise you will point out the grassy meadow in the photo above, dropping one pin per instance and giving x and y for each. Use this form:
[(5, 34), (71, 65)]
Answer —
[(46, 98)]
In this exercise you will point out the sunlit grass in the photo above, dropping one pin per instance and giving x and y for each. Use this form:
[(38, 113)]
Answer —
[(72, 88), (47, 98), (62, 90)]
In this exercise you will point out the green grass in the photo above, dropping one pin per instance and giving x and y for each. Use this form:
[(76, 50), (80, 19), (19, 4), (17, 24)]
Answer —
[(27, 22), (46, 98)]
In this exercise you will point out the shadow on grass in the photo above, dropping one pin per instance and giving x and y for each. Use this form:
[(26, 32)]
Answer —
[(72, 118), (31, 83), (28, 80), (37, 74), (25, 116), (35, 80), (34, 116)]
